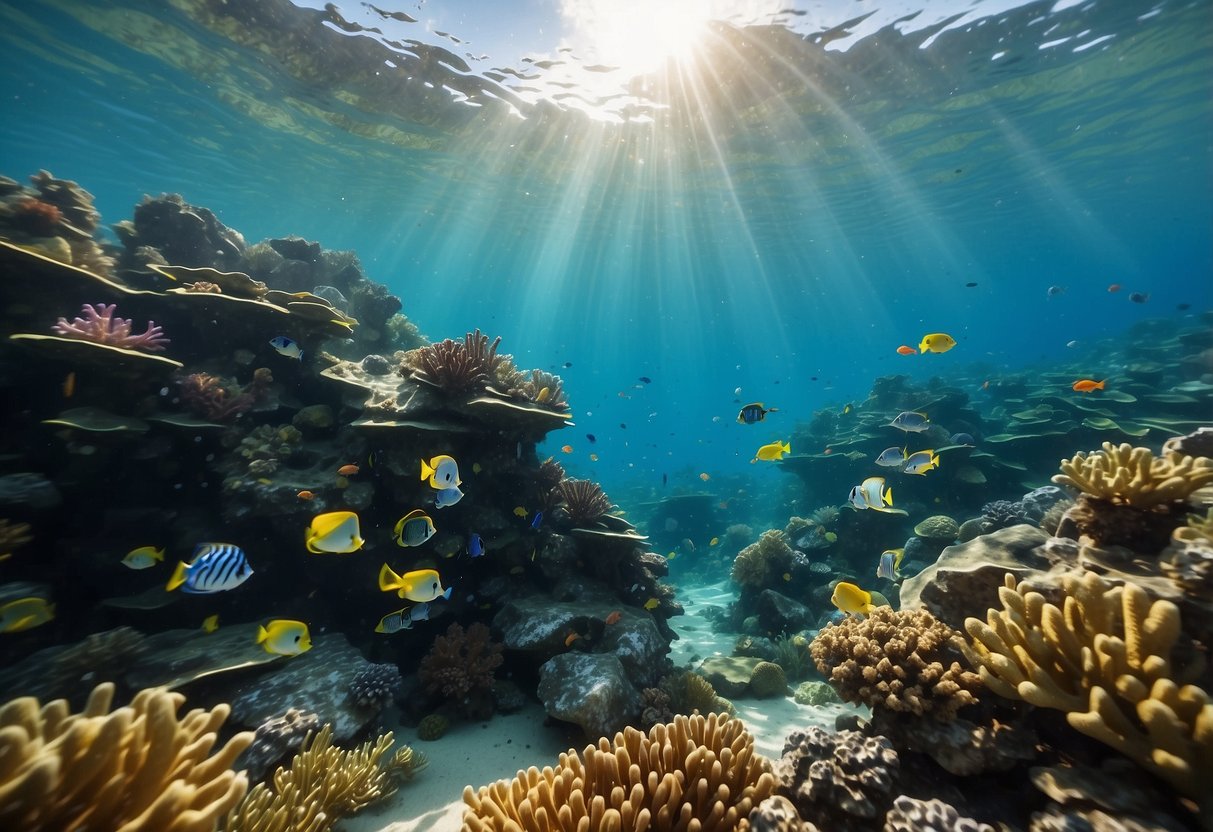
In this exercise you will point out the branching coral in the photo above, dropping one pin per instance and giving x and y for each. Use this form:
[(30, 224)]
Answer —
[(323, 784), (1134, 476), (101, 327), (757, 564), (137, 768), (217, 400), (460, 666), (458, 367), (696, 773), (897, 660), (1104, 658), (584, 501)]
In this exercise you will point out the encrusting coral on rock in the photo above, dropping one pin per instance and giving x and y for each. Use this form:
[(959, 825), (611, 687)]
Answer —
[(1105, 659), (140, 767), (695, 773), (905, 661), (838, 781)]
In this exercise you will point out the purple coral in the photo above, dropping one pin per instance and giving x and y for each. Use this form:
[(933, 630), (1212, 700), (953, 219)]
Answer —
[(101, 327)]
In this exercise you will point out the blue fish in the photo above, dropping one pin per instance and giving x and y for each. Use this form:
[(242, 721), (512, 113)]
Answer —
[(216, 567), (538, 520), (755, 412), (475, 545), (285, 346), (445, 497)]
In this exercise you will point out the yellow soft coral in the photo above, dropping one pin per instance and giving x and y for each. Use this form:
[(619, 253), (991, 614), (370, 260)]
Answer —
[(1104, 658), (1134, 476), (137, 768), (696, 773)]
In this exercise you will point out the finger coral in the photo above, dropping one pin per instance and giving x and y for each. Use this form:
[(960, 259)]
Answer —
[(139, 767), (101, 327), (1104, 658), (904, 660), (696, 773), (322, 785), (1134, 476), (460, 666)]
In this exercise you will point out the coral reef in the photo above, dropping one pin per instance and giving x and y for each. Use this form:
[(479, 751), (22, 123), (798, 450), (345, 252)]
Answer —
[(938, 527), (897, 660), (460, 666), (375, 685), (697, 772), (583, 501), (322, 785), (456, 367), (99, 326), (691, 693), (775, 814), (140, 767), (999, 514), (768, 680), (815, 693), (1104, 658), (217, 400), (1124, 475), (759, 564), (911, 815), (838, 781)]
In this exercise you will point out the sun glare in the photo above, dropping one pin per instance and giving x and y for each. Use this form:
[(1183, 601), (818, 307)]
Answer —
[(637, 36)]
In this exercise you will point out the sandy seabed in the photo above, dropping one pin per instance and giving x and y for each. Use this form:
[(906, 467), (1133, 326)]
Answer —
[(478, 753)]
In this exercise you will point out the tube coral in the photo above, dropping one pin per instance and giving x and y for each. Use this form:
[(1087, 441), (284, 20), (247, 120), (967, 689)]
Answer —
[(584, 501), (458, 367), (101, 327)]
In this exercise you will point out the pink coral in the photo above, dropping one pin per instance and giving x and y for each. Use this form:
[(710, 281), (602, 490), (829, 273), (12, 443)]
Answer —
[(207, 396), (101, 327)]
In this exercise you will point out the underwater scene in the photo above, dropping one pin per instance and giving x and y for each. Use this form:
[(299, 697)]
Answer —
[(587, 415)]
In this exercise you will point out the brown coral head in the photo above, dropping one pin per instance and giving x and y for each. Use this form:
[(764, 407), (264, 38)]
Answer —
[(584, 501), (898, 660), (461, 662), (35, 217), (457, 367)]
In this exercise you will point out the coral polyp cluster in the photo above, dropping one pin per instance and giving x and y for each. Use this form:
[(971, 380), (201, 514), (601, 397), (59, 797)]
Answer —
[(457, 366)]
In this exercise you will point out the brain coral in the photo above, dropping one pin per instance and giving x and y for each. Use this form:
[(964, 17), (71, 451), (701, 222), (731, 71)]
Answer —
[(903, 660), (768, 680), (695, 773), (938, 527)]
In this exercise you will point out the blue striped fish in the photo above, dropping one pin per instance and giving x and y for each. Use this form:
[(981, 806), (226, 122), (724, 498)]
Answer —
[(216, 567)]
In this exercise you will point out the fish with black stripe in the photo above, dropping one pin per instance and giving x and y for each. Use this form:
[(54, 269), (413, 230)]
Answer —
[(216, 567)]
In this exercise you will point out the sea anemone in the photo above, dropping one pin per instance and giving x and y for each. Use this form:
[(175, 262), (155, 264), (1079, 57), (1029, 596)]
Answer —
[(458, 367)]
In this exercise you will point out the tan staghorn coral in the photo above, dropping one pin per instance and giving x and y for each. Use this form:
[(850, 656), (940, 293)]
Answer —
[(696, 773), (1104, 658), (139, 767), (904, 661), (323, 784), (1134, 476)]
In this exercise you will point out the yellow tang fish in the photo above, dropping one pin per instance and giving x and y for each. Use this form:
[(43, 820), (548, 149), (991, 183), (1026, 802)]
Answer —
[(143, 557), (420, 585), (24, 614), (773, 451), (936, 342), (652, 604), (851, 599), (520, 511), (335, 533), (713, 541), (210, 624), (284, 637)]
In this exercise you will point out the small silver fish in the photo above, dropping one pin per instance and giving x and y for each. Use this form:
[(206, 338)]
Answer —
[(911, 422)]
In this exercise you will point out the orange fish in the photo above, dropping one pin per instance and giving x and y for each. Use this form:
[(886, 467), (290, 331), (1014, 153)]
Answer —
[(705, 476), (1086, 385), (306, 495), (570, 638), (1115, 287), (69, 385), (904, 350), (568, 449), (614, 617), (348, 470)]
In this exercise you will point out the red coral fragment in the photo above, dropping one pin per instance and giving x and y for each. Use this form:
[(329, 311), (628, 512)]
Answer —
[(41, 219)]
